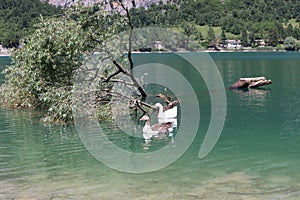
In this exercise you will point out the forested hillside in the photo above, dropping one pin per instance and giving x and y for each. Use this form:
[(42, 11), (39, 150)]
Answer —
[(272, 20), (17, 18), (248, 20)]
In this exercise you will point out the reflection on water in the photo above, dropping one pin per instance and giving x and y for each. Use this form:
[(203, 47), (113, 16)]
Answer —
[(167, 137), (257, 96), (290, 115)]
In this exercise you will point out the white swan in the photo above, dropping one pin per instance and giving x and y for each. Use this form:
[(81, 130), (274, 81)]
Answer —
[(170, 113), (155, 128), (158, 129)]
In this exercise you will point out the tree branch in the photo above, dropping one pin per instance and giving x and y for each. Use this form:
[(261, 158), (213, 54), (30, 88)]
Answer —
[(122, 81), (133, 79), (140, 107), (131, 65), (121, 69), (113, 93), (111, 76)]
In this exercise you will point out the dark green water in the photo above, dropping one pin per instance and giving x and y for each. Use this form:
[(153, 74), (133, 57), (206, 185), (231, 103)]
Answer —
[(256, 157)]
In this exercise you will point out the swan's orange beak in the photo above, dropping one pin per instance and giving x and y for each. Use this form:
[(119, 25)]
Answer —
[(144, 118)]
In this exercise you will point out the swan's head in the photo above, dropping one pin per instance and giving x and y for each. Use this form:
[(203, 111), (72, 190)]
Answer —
[(158, 105), (145, 118)]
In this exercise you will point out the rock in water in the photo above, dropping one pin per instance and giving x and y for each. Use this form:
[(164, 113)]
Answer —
[(253, 82)]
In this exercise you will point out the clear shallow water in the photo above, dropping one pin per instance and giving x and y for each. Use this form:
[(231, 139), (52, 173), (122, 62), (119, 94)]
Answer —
[(256, 157)]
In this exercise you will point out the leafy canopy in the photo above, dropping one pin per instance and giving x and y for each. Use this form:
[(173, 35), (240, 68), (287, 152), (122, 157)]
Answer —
[(41, 75)]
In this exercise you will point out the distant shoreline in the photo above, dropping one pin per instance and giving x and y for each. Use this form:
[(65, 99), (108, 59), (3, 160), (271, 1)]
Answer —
[(204, 51)]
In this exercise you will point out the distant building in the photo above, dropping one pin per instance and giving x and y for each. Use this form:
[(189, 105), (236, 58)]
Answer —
[(233, 44), (3, 51), (260, 43), (158, 45)]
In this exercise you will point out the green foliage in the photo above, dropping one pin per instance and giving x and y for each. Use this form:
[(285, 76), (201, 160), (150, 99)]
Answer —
[(274, 37), (258, 18), (290, 43), (42, 71), (211, 36), (188, 29), (245, 38), (223, 37), (17, 18), (41, 75)]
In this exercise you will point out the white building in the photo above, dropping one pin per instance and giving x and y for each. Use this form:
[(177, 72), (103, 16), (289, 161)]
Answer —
[(158, 45), (234, 44), (3, 51)]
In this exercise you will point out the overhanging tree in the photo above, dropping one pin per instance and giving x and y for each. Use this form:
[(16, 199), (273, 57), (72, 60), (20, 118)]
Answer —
[(41, 75)]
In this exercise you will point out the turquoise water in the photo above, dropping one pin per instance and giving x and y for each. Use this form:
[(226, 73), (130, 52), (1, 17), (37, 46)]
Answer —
[(256, 157)]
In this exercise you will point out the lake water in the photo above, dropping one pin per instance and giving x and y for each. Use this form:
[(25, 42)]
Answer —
[(256, 157)]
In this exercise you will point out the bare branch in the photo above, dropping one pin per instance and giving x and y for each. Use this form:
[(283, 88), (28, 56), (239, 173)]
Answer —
[(131, 75), (111, 76), (133, 79), (141, 108), (118, 94), (118, 65), (122, 81), (130, 36), (146, 104)]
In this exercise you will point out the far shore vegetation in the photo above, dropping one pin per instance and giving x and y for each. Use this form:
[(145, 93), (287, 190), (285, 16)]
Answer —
[(49, 44), (211, 23)]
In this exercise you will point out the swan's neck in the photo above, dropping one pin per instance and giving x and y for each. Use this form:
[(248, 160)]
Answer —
[(160, 110), (148, 122), (147, 128)]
